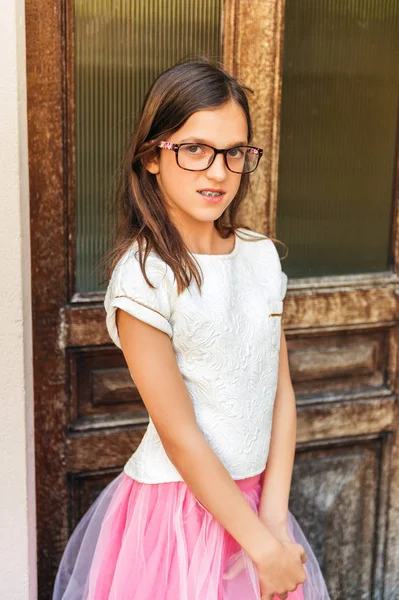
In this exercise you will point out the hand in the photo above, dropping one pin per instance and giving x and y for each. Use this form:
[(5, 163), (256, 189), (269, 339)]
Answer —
[(280, 532), (280, 570)]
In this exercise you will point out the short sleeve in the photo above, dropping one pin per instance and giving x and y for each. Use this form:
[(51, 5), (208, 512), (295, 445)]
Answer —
[(129, 291), (284, 281), (279, 278)]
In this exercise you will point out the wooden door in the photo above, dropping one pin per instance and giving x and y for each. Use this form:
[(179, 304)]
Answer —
[(341, 332), (337, 205)]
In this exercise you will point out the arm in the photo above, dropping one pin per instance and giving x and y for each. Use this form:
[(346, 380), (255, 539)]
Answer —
[(273, 508), (152, 363)]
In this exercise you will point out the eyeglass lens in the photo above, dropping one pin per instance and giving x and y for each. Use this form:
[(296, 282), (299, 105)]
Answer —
[(198, 157)]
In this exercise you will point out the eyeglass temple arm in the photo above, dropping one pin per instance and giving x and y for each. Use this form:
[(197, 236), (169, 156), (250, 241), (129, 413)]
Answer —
[(168, 146)]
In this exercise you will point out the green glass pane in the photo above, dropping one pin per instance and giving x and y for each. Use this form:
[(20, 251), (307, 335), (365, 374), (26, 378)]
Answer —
[(120, 47), (339, 126)]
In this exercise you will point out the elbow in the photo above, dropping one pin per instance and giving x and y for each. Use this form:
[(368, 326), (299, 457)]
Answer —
[(183, 445)]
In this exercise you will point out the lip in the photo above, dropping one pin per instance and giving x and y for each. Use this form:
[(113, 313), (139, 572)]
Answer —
[(209, 198)]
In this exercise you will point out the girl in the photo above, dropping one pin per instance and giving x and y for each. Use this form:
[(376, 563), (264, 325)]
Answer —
[(195, 303)]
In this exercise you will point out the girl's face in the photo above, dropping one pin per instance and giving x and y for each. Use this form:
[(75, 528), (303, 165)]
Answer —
[(185, 191)]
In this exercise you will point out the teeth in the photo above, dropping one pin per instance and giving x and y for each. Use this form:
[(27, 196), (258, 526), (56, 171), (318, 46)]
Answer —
[(211, 194)]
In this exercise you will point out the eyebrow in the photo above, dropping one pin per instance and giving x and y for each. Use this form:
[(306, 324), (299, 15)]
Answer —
[(195, 140)]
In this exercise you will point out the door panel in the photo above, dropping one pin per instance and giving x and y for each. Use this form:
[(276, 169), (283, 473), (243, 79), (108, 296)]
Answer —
[(102, 393), (85, 486), (339, 493), (328, 365)]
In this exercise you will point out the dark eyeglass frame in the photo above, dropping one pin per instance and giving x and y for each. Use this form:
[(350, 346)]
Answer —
[(175, 148)]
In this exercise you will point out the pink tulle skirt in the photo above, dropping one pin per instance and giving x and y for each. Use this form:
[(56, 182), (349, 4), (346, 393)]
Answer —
[(143, 541)]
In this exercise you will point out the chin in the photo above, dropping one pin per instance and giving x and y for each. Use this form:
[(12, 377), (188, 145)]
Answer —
[(211, 214)]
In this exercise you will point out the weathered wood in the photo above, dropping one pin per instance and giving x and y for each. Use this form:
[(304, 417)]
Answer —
[(337, 308), (69, 140), (85, 487), (323, 309), (105, 449), (252, 50), (339, 363), (328, 420), (342, 335), (339, 495), (45, 89), (101, 389)]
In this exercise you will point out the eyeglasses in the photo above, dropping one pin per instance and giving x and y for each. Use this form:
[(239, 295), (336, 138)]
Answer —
[(191, 156)]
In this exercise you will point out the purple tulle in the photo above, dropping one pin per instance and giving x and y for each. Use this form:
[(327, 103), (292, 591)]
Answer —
[(157, 542)]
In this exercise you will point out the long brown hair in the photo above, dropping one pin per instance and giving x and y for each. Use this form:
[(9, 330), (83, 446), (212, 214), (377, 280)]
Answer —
[(174, 96)]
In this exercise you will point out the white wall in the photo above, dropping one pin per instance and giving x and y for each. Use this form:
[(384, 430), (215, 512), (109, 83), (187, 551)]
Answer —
[(17, 499)]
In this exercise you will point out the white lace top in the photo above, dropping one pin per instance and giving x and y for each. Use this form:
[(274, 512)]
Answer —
[(226, 343)]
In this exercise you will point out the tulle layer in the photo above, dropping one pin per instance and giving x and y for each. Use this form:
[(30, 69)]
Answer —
[(157, 542)]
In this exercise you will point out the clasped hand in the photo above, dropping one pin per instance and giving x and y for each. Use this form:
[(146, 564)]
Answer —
[(280, 570)]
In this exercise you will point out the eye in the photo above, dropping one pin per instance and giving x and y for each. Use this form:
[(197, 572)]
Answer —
[(237, 152), (194, 149)]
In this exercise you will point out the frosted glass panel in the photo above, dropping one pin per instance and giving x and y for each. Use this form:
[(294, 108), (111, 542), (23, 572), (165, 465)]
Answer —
[(339, 126), (120, 47)]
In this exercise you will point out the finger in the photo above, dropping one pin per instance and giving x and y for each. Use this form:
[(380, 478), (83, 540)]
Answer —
[(283, 596)]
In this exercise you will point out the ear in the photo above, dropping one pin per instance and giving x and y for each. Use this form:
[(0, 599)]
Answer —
[(152, 165)]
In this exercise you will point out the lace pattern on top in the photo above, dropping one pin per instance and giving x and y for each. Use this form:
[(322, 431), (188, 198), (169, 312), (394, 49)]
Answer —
[(226, 342)]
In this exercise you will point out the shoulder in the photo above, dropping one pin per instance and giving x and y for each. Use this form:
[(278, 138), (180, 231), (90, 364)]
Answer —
[(129, 267), (256, 240), (148, 297), (264, 256), (142, 279), (251, 234)]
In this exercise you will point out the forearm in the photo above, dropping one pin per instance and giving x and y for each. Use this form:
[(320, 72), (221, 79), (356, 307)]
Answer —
[(213, 486), (273, 508), (167, 400)]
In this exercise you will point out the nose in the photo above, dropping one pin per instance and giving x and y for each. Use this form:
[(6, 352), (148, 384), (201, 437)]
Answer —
[(218, 170)]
